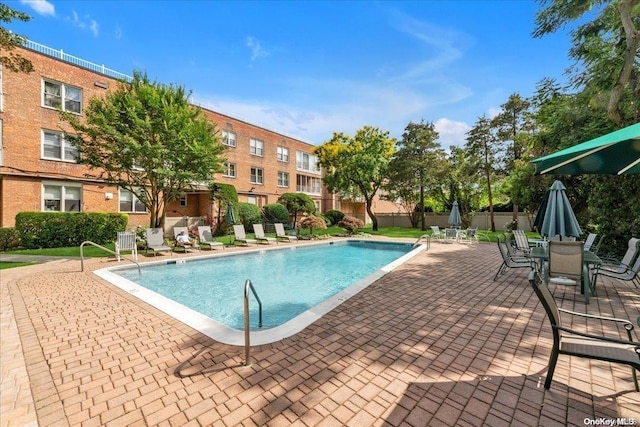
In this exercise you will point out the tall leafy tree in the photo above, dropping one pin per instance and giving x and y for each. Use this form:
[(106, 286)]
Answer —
[(297, 203), (145, 137), (512, 126), (11, 60), (415, 166), (482, 143), (357, 165), (606, 47)]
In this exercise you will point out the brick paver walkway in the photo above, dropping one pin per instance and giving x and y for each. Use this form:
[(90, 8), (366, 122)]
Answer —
[(436, 342)]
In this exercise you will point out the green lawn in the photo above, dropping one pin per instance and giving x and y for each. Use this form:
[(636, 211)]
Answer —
[(7, 264), (414, 233)]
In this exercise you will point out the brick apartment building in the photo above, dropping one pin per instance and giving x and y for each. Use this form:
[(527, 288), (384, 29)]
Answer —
[(38, 170)]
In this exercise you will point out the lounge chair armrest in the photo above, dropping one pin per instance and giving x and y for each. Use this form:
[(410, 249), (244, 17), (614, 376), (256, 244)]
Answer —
[(593, 316), (598, 337)]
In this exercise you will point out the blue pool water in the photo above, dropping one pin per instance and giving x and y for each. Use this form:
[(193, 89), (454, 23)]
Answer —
[(288, 281)]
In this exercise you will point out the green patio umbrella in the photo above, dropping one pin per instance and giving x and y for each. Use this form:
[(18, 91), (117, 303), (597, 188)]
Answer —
[(615, 153), (537, 222), (559, 217), (454, 216), (231, 218)]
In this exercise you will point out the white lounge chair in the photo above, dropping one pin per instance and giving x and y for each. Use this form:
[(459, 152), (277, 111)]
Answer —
[(155, 241), (281, 235), (206, 237), (177, 231), (241, 237), (127, 242), (436, 233), (258, 231)]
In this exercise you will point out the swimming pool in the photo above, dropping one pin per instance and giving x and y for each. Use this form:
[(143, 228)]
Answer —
[(297, 285)]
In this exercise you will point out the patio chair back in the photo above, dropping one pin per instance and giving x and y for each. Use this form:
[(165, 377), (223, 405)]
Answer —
[(204, 232), (522, 244), (589, 241), (565, 259), (178, 230), (127, 242), (238, 231), (155, 237)]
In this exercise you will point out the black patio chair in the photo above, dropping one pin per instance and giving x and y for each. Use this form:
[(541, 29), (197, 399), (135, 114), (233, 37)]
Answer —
[(508, 259), (574, 343)]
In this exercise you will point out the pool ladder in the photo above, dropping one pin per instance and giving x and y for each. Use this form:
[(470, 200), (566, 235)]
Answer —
[(247, 346)]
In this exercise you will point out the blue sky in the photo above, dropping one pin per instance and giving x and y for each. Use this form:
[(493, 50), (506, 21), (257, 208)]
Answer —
[(309, 68)]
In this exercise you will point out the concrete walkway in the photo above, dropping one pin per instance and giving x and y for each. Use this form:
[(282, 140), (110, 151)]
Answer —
[(435, 342)]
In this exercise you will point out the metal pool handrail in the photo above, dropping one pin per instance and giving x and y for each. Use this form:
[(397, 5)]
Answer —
[(247, 346), (103, 248)]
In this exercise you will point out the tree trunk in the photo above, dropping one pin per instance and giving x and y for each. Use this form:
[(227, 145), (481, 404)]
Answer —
[(493, 221), (422, 226), (374, 220)]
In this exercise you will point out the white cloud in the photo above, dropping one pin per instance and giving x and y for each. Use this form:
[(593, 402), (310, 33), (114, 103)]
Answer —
[(86, 23), (42, 7), (257, 51), (451, 132)]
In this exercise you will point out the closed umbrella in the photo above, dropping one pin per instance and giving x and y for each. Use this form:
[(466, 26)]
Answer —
[(231, 215), (559, 217), (614, 153), (231, 218), (537, 222), (454, 216)]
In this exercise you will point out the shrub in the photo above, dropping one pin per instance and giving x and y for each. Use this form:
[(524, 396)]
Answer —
[(312, 222), (248, 214), (275, 212), (63, 229), (351, 224), (9, 238), (334, 216)]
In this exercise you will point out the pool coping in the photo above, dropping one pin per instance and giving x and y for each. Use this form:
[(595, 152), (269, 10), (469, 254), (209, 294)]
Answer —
[(226, 335)]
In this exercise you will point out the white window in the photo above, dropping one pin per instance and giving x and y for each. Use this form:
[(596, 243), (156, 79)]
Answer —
[(252, 199), (229, 138), (283, 179), (283, 154), (183, 200), (58, 95), (257, 176), (55, 147), (309, 184), (129, 202), (307, 162), (61, 197), (256, 147), (229, 170)]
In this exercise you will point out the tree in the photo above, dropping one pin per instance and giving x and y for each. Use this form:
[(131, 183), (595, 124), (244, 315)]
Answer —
[(482, 142), (415, 165), (607, 46), (297, 203), (146, 138), (9, 41), (357, 165), (222, 194), (512, 125)]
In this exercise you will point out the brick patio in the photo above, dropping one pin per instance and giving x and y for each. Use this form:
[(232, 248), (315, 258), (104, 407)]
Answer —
[(435, 342)]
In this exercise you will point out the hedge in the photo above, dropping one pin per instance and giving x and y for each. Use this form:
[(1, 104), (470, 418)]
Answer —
[(64, 229), (248, 214)]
